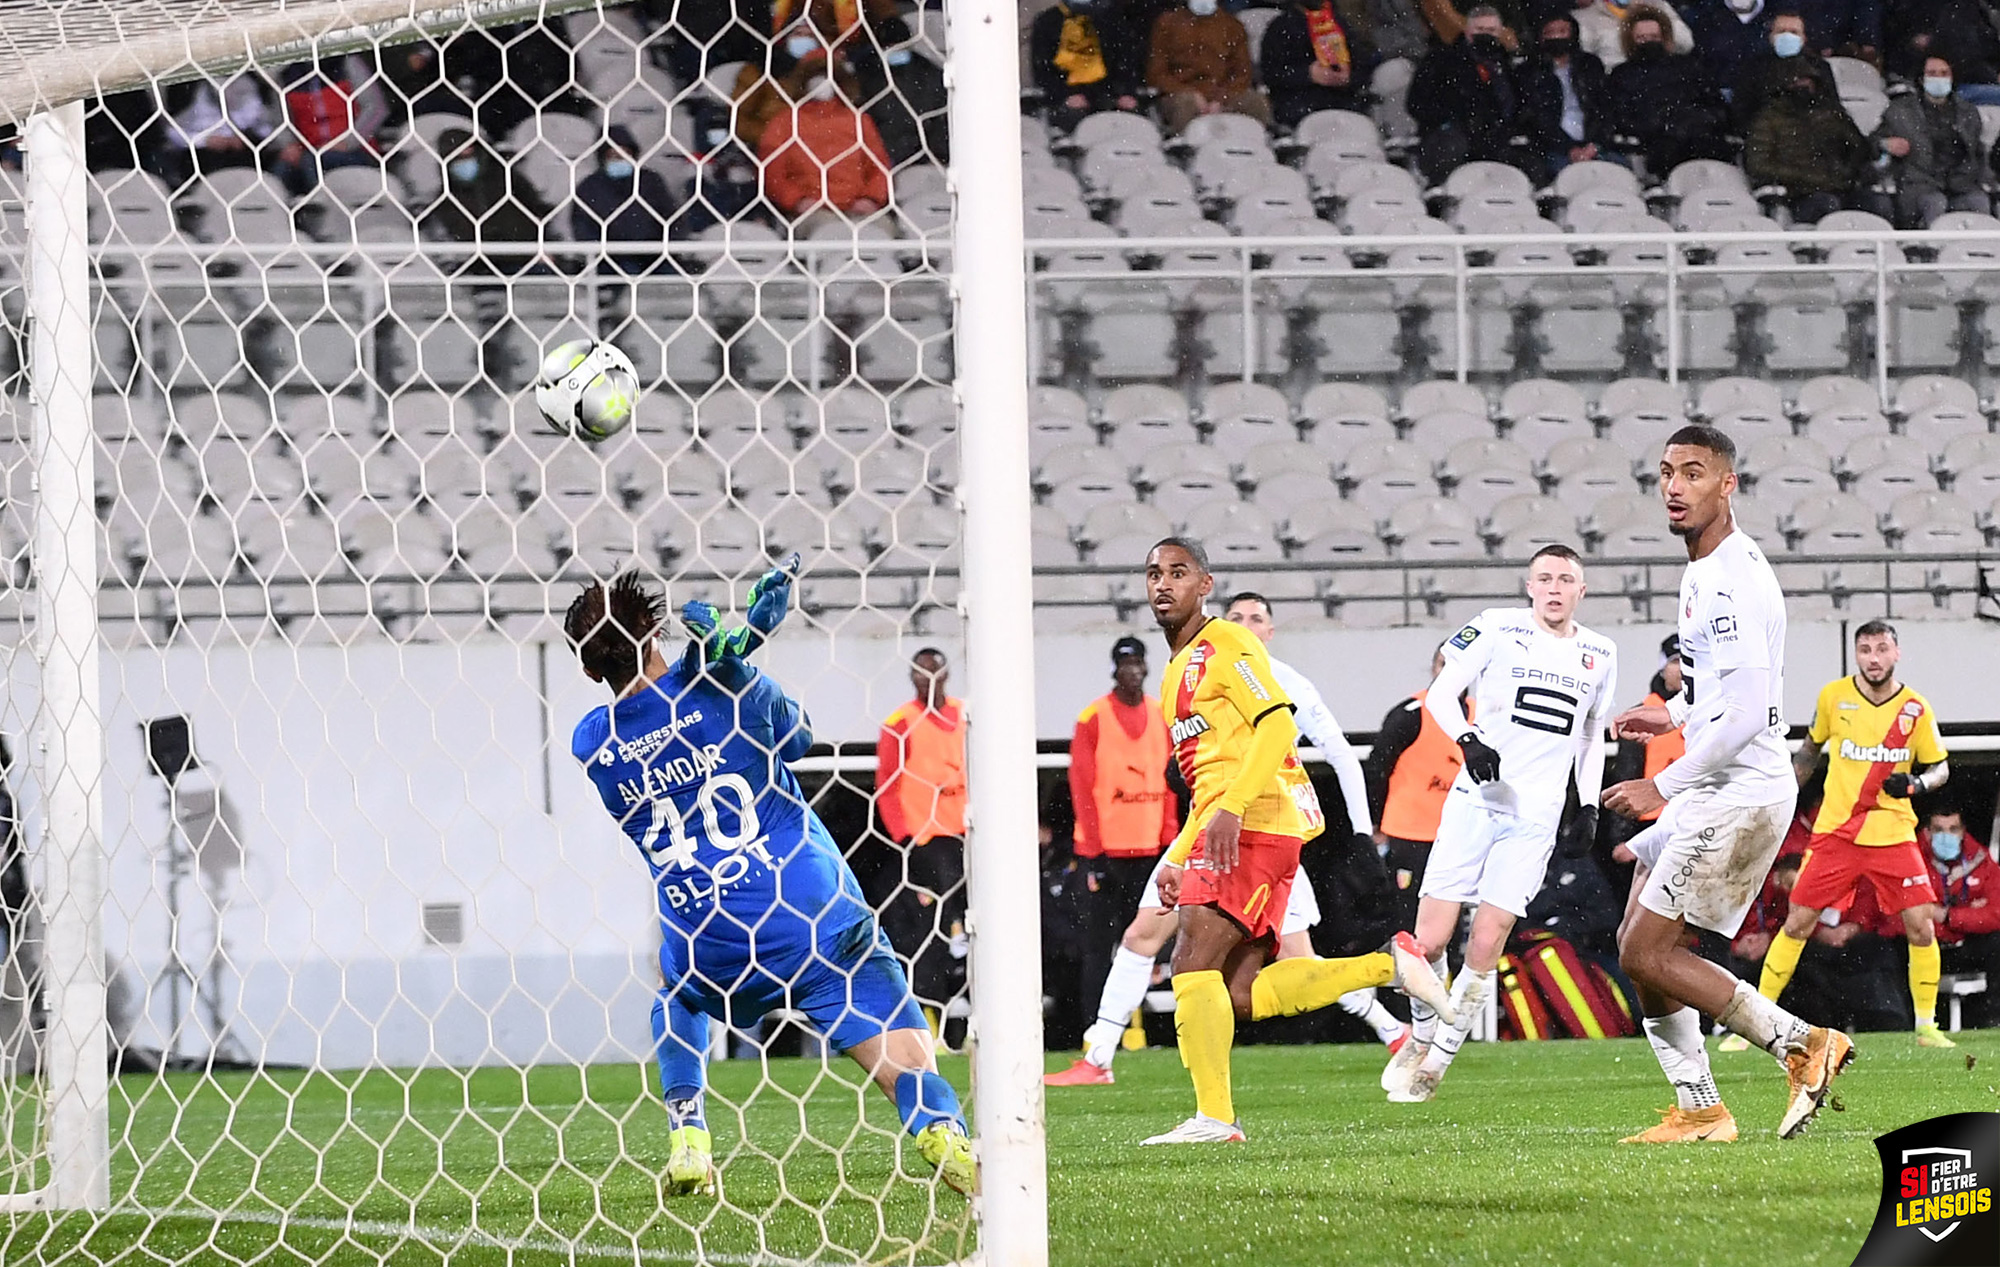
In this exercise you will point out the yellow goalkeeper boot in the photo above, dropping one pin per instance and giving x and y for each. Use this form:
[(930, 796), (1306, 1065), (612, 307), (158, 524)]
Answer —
[(1931, 1036), (691, 1165), (944, 1145)]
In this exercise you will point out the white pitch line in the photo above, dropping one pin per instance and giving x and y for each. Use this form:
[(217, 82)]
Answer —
[(469, 1238)]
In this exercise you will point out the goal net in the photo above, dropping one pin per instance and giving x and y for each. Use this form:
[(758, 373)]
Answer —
[(302, 854)]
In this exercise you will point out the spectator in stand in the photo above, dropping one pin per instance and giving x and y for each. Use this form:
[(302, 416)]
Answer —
[(335, 109), (1968, 881), (414, 84), (1125, 815), (216, 127), (1568, 101), (702, 35), (1466, 100), (1932, 139), (1396, 29), (1844, 28), (1775, 67), (904, 90), (483, 203), (1317, 57), (1410, 769), (1086, 57), (1667, 102), (1804, 140), (822, 157), (1960, 31), (920, 795), (622, 202), (1600, 30), (1199, 61), (1447, 23), (1730, 34)]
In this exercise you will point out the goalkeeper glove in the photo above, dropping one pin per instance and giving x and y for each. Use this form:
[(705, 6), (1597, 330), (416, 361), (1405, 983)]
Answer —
[(1481, 762)]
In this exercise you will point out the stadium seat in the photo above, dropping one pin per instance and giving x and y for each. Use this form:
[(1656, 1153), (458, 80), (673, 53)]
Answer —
[(1933, 429), (1517, 526), (1436, 432), (1234, 533), (1381, 474), (340, 474), (1483, 473), (1305, 520), (1140, 417), (291, 546), (1121, 519), (1626, 525), (386, 545), (1930, 522), (1833, 523), (1758, 519), (1647, 398), (1336, 414), (1108, 125), (1879, 486), (198, 419), (1181, 474), (1979, 482), (1773, 452), (1785, 485), (1355, 131), (727, 542), (1640, 438), (1434, 528), (1277, 194), (1869, 451), (1539, 413), (1440, 395), (1276, 458), (1056, 417), (1241, 416), (1601, 208), (1967, 451)]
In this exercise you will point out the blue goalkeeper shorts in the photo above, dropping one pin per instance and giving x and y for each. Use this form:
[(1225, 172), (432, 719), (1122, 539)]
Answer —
[(852, 991)]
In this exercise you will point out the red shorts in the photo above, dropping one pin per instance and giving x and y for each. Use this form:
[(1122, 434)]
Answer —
[(1256, 892), (1833, 868)]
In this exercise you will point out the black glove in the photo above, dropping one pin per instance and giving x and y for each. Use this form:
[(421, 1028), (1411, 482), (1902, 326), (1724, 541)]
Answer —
[(1364, 843), (1579, 835), (1481, 762), (1899, 784)]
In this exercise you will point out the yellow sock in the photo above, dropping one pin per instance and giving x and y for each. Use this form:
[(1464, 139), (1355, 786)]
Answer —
[(1925, 964), (1306, 984), (1780, 962), (1205, 1024)]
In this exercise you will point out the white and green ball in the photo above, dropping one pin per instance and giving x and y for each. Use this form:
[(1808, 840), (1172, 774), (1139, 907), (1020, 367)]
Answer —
[(588, 389)]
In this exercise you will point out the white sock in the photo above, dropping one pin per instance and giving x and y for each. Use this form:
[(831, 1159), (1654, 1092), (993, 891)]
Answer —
[(1124, 990), (1468, 999), (1363, 1003), (1762, 1021), (1424, 1021), (1676, 1040)]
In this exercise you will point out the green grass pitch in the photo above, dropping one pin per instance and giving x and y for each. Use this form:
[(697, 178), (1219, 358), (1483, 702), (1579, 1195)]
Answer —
[(1517, 1161)]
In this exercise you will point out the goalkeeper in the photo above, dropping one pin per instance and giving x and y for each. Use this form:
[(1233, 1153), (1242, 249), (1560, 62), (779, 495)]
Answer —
[(758, 910)]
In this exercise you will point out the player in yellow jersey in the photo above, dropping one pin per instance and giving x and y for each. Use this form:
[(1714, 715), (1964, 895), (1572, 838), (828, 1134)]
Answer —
[(1230, 870), (1876, 732)]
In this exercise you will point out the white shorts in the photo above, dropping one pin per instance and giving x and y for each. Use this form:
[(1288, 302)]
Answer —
[(1709, 861), (1301, 913), (1497, 860)]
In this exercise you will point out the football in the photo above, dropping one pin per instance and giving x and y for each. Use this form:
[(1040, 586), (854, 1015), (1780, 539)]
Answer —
[(587, 388)]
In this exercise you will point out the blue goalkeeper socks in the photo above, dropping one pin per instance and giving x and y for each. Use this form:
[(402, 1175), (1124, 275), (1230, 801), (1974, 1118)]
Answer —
[(680, 1044), (924, 1099)]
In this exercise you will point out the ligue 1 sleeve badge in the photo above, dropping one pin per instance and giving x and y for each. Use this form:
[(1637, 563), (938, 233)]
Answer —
[(1937, 1195)]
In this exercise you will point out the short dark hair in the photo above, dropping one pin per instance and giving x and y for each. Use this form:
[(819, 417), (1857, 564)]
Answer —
[(1871, 628), (610, 625), (1248, 596), (1559, 550), (1944, 808), (929, 651), (1189, 544), (1703, 436)]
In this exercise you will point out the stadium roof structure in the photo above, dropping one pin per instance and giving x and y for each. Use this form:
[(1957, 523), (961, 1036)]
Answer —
[(56, 51)]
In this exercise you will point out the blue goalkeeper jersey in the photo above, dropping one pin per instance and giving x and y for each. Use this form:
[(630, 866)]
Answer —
[(747, 877)]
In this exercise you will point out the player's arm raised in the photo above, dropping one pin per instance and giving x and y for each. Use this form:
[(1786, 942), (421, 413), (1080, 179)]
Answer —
[(1465, 654)]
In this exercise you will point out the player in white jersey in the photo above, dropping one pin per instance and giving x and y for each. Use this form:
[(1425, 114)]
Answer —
[(1727, 802), (1542, 686), (1131, 973)]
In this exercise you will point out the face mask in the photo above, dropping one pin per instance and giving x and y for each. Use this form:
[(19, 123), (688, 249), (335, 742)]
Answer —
[(801, 46), (1560, 46), (1788, 43), (1651, 50), (819, 90), (897, 57), (1938, 86), (1201, 8), (1947, 845), (1487, 45), (717, 138), (1741, 7), (464, 169), (618, 168)]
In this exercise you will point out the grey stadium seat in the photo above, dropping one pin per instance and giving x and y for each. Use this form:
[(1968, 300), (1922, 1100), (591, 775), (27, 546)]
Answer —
[(1483, 473), (1541, 413), (1381, 475)]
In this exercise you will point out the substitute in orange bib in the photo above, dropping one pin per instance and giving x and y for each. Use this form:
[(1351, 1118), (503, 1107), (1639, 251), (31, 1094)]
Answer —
[(1410, 770), (1882, 748), (920, 795), (1230, 869), (1125, 812)]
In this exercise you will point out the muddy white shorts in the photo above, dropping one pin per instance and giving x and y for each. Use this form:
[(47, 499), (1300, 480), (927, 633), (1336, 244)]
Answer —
[(1481, 856), (1301, 913), (1708, 860)]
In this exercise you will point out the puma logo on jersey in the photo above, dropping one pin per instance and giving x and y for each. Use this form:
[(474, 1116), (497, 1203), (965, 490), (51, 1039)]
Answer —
[(1854, 752), (1187, 728)]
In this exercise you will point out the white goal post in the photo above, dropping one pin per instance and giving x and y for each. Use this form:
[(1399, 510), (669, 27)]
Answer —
[(61, 52)]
